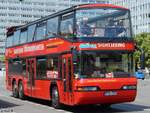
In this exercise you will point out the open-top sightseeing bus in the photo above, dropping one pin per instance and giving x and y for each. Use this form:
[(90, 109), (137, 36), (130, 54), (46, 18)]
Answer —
[(78, 56)]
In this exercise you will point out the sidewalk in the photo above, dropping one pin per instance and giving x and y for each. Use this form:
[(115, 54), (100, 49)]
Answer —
[(143, 92), (147, 75), (2, 73)]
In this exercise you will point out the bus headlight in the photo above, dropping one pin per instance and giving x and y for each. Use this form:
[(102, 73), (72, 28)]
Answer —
[(129, 87), (88, 88)]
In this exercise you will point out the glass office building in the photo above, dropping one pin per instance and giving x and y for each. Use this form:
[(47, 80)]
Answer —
[(140, 13), (18, 12)]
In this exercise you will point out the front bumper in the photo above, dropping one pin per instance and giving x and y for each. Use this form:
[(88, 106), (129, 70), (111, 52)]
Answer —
[(98, 97)]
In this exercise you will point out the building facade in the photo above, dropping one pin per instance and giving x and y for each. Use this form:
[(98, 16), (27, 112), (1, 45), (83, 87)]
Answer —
[(140, 13), (18, 12)]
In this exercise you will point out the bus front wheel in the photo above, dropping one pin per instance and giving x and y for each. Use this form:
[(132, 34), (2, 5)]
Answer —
[(55, 98), (15, 90)]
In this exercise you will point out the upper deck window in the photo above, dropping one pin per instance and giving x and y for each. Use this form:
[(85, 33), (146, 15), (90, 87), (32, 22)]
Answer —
[(23, 36), (66, 25), (16, 37), (9, 40), (31, 32), (41, 31), (103, 22), (52, 27)]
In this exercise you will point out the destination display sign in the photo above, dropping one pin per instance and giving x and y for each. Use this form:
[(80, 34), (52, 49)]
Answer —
[(107, 46)]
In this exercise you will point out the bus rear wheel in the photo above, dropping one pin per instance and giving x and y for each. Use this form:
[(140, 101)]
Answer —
[(21, 91), (55, 98), (15, 90), (106, 106)]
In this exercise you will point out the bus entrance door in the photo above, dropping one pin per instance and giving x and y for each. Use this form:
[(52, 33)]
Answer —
[(67, 78), (31, 69)]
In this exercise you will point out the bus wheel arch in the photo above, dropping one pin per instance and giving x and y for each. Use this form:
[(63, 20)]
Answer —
[(54, 94), (14, 88)]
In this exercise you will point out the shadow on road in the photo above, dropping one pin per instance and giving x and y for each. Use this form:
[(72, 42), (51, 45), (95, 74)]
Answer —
[(114, 109), (118, 108), (91, 109), (6, 105)]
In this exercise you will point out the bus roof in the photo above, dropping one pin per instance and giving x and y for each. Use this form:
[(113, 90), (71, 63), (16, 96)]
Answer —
[(76, 7), (100, 6)]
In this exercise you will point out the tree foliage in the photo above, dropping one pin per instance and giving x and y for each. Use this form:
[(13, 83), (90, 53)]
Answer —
[(2, 58), (143, 41)]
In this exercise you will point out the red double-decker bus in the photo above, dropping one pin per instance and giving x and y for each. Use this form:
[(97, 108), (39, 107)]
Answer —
[(81, 55)]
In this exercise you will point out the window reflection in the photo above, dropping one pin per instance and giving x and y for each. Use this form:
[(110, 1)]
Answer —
[(98, 65), (101, 22), (52, 27), (16, 35), (66, 26), (9, 40), (31, 32), (23, 37), (41, 31)]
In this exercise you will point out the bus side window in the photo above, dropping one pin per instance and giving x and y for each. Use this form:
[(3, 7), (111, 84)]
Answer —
[(16, 67), (41, 67), (23, 36), (52, 27), (52, 67), (9, 40), (10, 66), (31, 32), (66, 26), (24, 67), (16, 37), (40, 31)]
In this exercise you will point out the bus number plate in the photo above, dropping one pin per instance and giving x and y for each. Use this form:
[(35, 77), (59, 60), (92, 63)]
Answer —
[(110, 93)]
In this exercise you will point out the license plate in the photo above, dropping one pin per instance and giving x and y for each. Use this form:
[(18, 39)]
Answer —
[(110, 93)]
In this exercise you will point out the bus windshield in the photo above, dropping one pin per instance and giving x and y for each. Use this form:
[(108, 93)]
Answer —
[(99, 65), (103, 22)]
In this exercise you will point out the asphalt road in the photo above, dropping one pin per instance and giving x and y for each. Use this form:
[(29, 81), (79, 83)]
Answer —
[(8, 104)]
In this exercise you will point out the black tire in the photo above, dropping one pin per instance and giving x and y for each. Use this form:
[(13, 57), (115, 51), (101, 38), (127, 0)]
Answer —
[(55, 98), (21, 91), (14, 90), (106, 106)]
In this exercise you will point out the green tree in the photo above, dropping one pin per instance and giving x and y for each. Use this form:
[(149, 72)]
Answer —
[(2, 58), (143, 41)]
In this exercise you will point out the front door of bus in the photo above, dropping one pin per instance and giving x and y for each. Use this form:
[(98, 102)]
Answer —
[(67, 78), (31, 75)]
